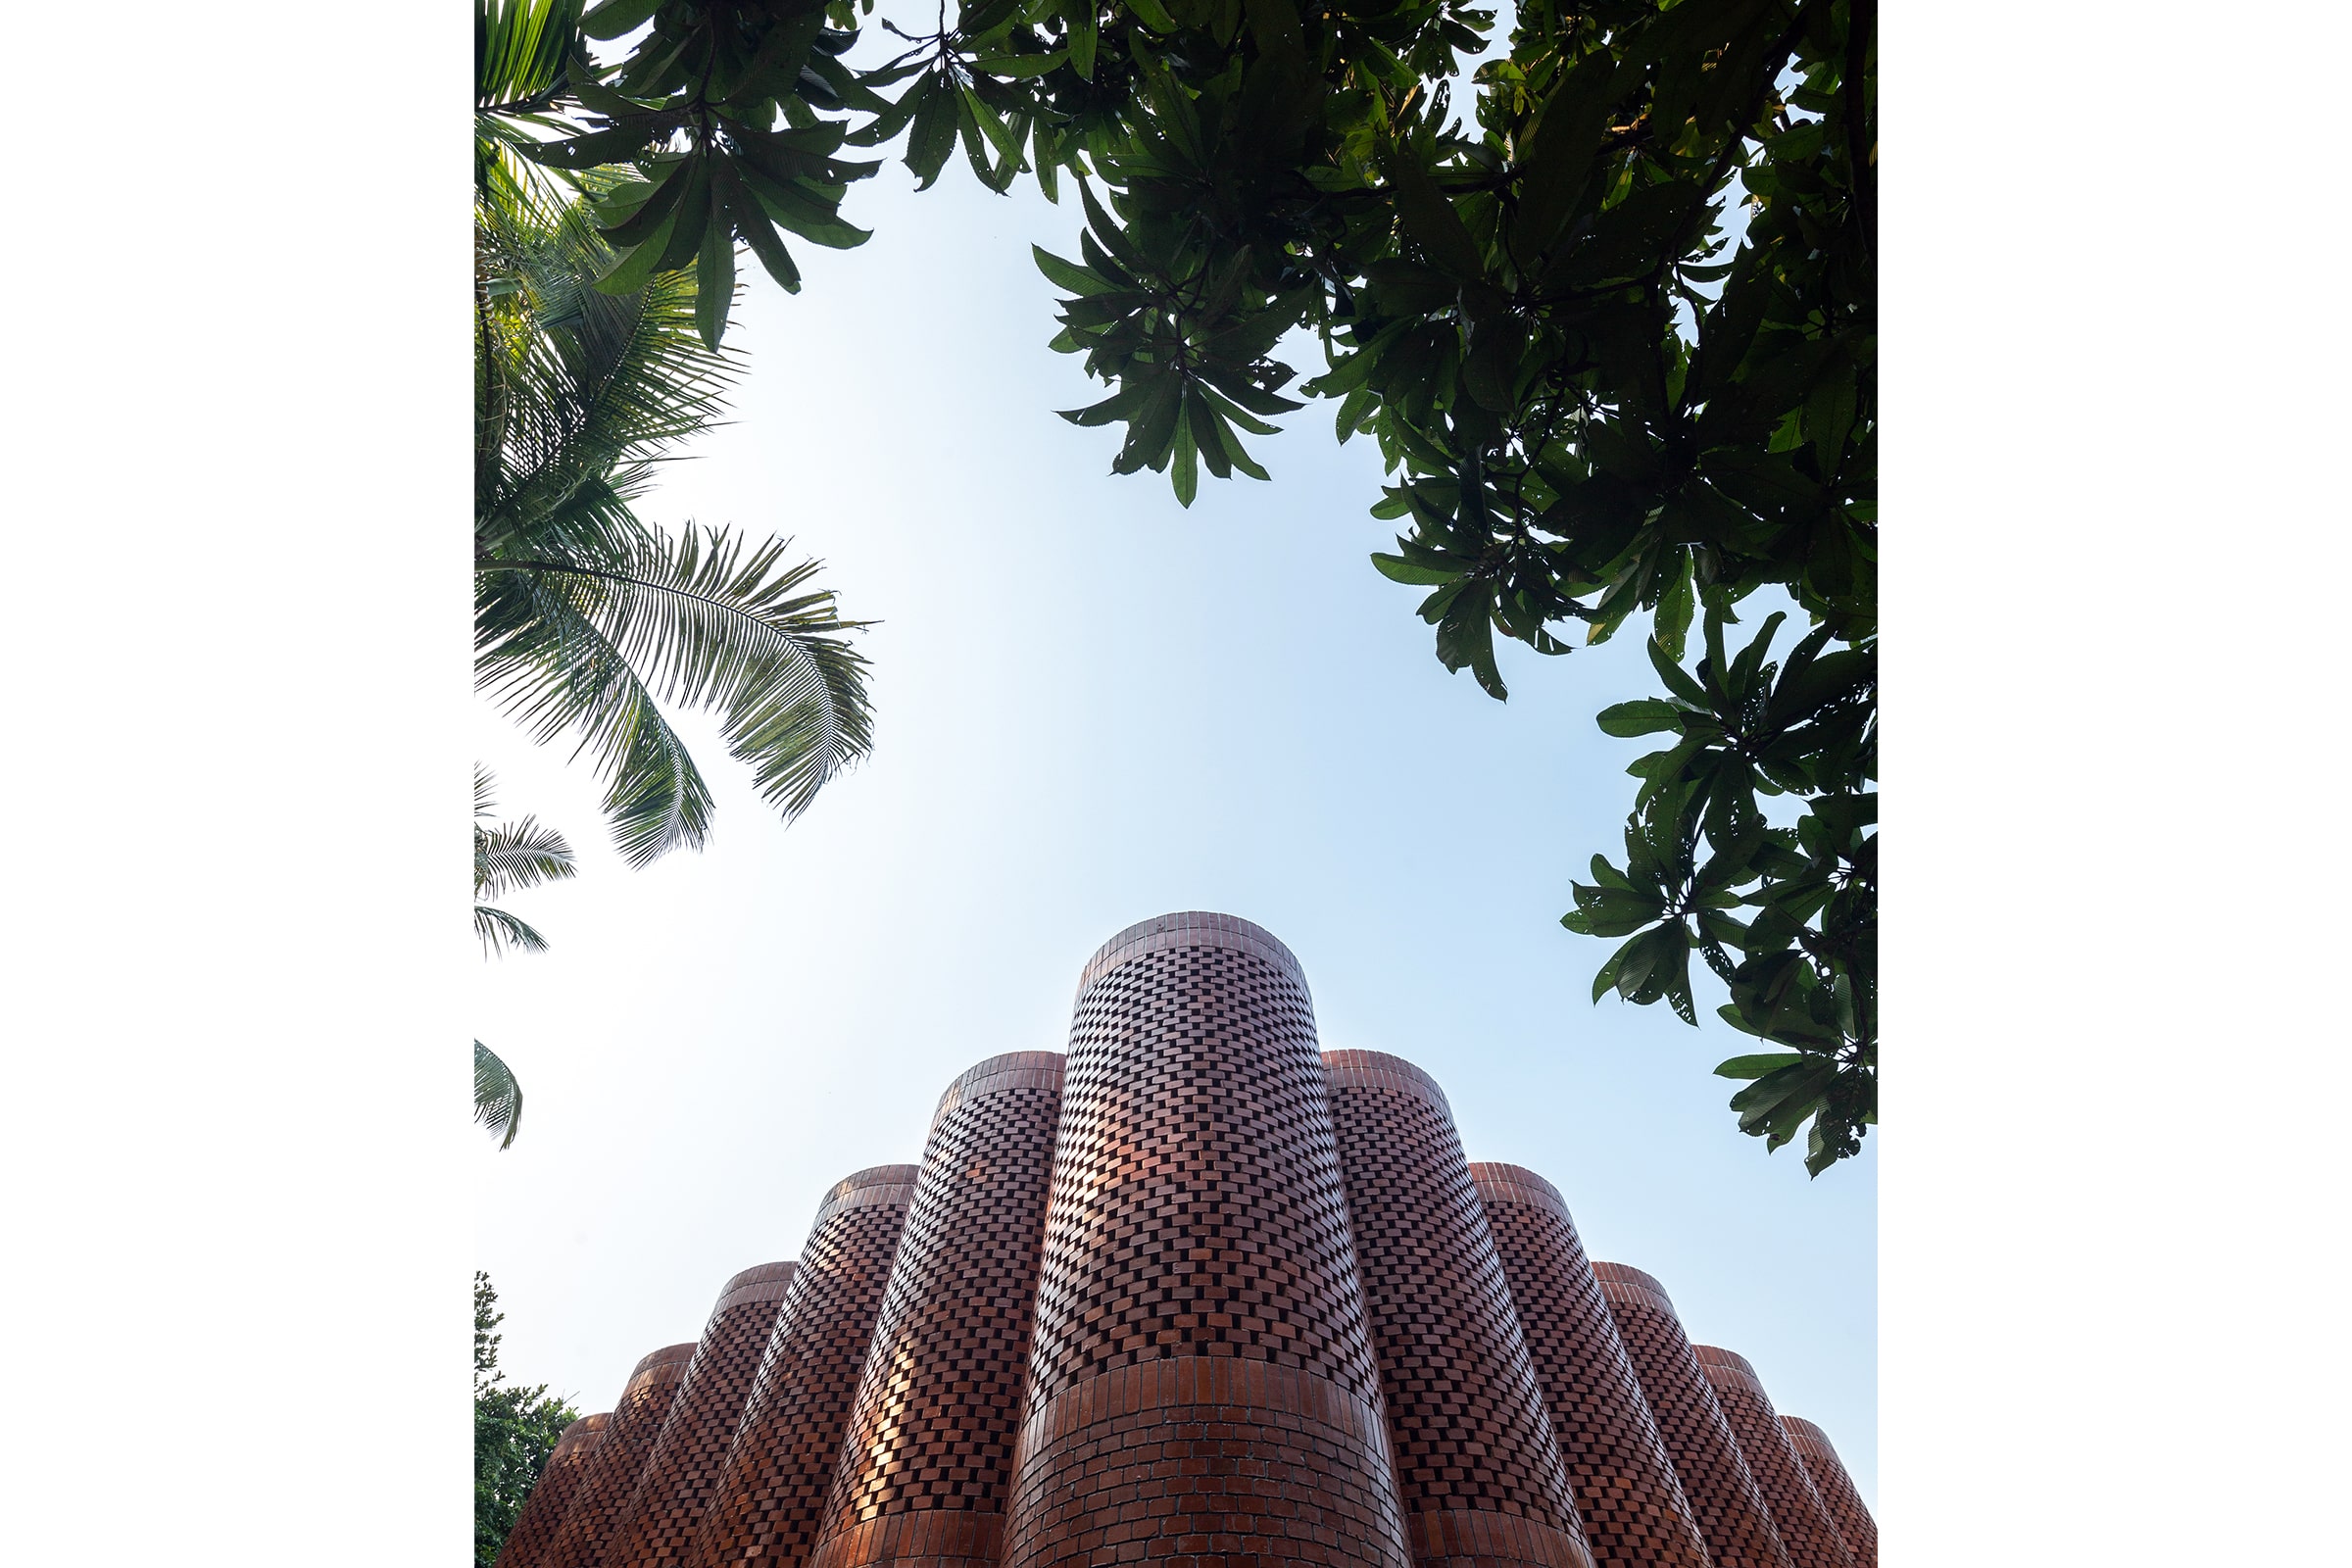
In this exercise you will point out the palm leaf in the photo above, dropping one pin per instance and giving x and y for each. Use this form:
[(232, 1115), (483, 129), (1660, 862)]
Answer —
[(518, 855), (707, 624), (497, 1096), (500, 930)]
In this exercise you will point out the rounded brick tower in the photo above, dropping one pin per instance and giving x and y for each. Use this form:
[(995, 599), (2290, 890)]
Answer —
[(1477, 1471), (551, 1495), (1634, 1512), (779, 1468), (658, 1520), (1856, 1526), (927, 1461), (1724, 1501), (613, 1468), (1797, 1513), (1201, 1383)]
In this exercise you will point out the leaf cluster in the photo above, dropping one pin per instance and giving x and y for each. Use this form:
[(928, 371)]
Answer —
[(514, 1433), (1610, 321)]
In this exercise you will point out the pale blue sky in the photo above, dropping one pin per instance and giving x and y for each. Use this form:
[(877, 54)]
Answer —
[(1094, 708)]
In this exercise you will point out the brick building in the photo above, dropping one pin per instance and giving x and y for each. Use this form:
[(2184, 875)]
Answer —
[(1195, 1292)]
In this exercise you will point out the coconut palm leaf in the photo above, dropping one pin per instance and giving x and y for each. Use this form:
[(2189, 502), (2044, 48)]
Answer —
[(518, 855), (497, 1096), (704, 623), (500, 930)]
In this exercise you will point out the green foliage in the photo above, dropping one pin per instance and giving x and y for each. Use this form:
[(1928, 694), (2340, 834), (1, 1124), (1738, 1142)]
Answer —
[(587, 618), (515, 1431), (1596, 399)]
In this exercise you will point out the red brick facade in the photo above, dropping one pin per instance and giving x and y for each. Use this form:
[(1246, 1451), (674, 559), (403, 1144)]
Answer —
[(772, 1497), (551, 1495), (1856, 1526), (1797, 1513), (926, 1467), (1467, 1424), (610, 1474), (1624, 1484), (1724, 1499), (1195, 1295), (660, 1520)]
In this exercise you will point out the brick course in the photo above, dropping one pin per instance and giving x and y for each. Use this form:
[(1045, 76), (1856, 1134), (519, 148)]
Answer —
[(1477, 1470), (1856, 1526), (552, 1492), (612, 1471), (1797, 1513), (1724, 1500), (660, 1520), (1202, 1387), (927, 1462), (1633, 1509), (771, 1497)]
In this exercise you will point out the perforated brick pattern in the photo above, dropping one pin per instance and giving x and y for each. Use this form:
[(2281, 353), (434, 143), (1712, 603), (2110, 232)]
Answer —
[(1626, 1492), (1466, 1419), (659, 1522), (1724, 1500), (926, 1466), (1856, 1526), (550, 1494), (1797, 1513), (618, 1458), (1203, 1388), (771, 1497)]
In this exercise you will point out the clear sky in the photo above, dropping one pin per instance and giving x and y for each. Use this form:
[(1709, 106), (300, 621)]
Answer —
[(1093, 706)]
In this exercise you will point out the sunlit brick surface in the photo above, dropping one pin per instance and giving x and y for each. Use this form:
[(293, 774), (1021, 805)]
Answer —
[(659, 1523), (551, 1495), (616, 1462), (927, 1461), (1797, 1513), (1624, 1484), (1203, 1388), (1848, 1512), (770, 1498), (1724, 1499), (1472, 1440), (1195, 1294)]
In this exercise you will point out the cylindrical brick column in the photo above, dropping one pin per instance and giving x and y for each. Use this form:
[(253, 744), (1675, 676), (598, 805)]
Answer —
[(1724, 1500), (1634, 1512), (1202, 1387), (1856, 1526), (613, 1467), (551, 1495), (659, 1522), (780, 1467), (1477, 1470), (1804, 1525), (927, 1462)]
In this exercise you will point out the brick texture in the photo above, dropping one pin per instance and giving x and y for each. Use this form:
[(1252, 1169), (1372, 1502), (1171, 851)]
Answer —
[(1797, 1512), (926, 1466), (551, 1495), (1202, 1389), (1724, 1500), (1856, 1526), (657, 1524), (1477, 1470), (1633, 1509), (610, 1474), (771, 1497)]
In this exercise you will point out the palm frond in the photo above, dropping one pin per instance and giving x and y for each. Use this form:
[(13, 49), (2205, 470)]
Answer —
[(579, 391), (546, 663), (484, 782), (500, 930), (520, 855), (707, 624), (518, 51), (497, 1096)]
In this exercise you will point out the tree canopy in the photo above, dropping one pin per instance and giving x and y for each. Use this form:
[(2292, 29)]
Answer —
[(1606, 305), (515, 1431)]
